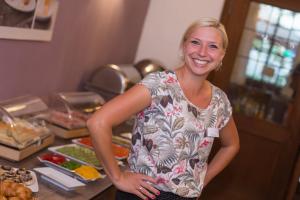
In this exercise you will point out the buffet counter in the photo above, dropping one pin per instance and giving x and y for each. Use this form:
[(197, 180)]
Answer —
[(50, 191)]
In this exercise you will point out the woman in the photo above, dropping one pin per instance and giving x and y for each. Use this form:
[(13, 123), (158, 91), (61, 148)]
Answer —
[(178, 115)]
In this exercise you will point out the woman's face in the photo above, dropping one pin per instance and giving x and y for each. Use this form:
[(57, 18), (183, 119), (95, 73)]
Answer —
[(203, 50)]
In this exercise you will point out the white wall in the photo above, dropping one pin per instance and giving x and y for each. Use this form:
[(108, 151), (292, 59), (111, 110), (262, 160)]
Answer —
[(165, 24)]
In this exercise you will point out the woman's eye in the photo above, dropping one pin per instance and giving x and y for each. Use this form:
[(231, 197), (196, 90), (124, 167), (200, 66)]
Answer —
[(213, 46), (195, 42)]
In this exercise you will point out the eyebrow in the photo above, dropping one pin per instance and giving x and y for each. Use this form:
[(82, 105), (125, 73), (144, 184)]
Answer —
[(212, 42)]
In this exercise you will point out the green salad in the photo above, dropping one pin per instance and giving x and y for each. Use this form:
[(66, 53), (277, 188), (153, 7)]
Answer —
[(80, 153)]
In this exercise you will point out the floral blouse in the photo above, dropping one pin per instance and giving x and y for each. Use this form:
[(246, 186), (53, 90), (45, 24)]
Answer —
[(172, 138)]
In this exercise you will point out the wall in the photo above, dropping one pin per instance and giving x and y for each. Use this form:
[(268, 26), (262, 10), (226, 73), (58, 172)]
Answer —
[(87, 34), (165, 24)]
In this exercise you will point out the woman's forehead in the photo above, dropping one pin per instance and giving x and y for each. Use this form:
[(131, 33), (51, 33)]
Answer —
[(207, 33)]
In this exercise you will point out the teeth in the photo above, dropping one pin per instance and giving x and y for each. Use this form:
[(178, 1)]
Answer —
[(201, 62)]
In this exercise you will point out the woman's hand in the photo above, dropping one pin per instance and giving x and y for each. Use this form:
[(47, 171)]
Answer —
[(138, 184)]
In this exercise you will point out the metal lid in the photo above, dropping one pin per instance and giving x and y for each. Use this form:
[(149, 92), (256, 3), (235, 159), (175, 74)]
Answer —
[(109, 78)]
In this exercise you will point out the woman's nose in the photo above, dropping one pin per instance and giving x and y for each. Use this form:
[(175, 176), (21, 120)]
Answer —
[(202, 50)]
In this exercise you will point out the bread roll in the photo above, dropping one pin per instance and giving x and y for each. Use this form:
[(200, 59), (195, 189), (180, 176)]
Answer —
[(14, 191)]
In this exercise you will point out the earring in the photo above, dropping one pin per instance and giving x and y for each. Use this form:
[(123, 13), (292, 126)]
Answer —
[(219, 67)]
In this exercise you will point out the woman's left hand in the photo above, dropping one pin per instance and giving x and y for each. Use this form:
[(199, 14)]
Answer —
[(138, 184)]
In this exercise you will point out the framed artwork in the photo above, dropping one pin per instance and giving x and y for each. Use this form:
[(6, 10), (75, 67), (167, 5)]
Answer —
[(27, 19)]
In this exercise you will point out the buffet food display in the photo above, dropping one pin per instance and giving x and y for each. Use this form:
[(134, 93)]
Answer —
[(59, 179), (78, 153), (70, 111), (28, 125), (17, 183), (70, 167), (120, 152), (22, 132)]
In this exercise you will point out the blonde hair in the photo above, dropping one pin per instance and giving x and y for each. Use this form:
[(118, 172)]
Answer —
[(206, 22)]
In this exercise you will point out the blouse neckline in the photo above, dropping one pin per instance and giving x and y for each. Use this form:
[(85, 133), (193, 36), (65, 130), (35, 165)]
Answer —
[(185, 97)]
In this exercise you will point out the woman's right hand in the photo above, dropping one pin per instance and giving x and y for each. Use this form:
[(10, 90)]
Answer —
[(138, 184)]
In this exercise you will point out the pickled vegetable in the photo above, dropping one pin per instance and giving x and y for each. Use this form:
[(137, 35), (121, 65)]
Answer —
[(120, 152), (86, 141), (88, 172), (71, 165)]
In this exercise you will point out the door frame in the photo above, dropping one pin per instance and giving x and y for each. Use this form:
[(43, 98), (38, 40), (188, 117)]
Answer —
[(233, 17)]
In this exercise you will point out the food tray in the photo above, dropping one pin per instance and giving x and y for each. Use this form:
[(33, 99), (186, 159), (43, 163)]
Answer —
[(67, 171), (126, 135), (56, 150), (121, 141), (67, 134), (118, 149), (14, 154), (58, 178)]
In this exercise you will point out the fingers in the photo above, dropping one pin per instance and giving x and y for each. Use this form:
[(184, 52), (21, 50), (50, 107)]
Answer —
[(148, 190), (138, 184), (140, 194), (145, 187), (148, 178)]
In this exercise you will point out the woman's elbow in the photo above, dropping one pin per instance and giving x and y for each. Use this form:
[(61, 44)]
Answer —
[(237, 147), (90, 123), (93, 124)]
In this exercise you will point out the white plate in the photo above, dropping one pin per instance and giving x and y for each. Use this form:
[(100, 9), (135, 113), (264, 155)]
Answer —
[(35, 186), (44, 11), (69, 172), (58, 178), (20, 6)]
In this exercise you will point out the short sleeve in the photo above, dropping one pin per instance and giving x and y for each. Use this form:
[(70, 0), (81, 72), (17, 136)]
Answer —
[(151, 82), (227, 110)]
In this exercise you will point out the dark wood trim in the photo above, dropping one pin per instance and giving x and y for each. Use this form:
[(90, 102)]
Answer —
[(236, 11), (263, 128), (286, 4), (282, 141), (234, 32)]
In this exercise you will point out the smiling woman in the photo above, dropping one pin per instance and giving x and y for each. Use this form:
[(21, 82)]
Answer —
[(178, 116)]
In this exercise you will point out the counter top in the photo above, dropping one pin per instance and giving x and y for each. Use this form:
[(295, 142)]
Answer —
[(50, 191)]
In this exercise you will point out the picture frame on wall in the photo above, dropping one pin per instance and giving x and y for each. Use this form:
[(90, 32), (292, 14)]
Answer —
[(27, 19)]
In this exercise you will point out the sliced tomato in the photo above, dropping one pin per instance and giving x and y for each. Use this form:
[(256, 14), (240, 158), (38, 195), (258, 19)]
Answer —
[(55, 158)]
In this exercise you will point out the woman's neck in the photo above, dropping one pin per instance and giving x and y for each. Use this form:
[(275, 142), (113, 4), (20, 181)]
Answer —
[(195, 84)]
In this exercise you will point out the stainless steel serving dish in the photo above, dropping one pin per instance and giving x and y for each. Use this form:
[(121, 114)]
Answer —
[(109, 81), (147, 66)]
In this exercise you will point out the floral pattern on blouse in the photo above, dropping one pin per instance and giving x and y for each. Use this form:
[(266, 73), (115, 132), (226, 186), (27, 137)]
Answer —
[(170, 141)]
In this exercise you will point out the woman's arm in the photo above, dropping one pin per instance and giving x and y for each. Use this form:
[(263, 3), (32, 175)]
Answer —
[(230, 145), (100, 125)]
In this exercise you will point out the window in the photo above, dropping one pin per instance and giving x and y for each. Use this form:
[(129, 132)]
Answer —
[(274, 45)]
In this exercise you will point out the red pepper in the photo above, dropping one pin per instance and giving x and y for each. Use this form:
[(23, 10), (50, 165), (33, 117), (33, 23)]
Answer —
[(55, 158)]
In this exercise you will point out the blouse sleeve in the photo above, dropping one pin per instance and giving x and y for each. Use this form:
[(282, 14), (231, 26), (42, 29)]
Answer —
[(227, 110), (151, 82)]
